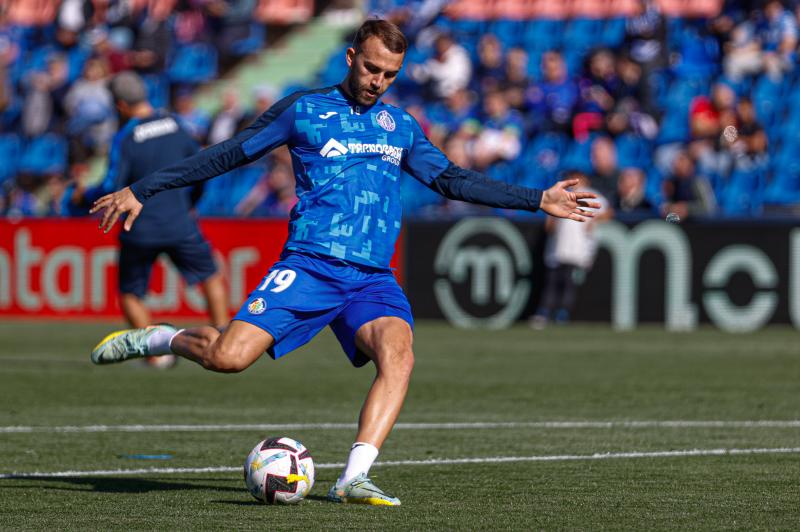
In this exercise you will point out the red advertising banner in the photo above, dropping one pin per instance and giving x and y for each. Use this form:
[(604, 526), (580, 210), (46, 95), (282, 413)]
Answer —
[(67, 267)]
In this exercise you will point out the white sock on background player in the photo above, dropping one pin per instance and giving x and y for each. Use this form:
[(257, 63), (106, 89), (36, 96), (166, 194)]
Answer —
[(159, 342), (362, 455)]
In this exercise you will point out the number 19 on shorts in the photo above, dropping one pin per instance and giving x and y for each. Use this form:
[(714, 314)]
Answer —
[(281, 279)]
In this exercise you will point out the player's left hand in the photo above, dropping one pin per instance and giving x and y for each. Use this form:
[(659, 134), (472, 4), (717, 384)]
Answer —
[(562, 203), (115, 205)]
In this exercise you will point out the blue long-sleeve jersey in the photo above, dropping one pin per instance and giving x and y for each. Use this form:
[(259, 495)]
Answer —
[(348, 160)]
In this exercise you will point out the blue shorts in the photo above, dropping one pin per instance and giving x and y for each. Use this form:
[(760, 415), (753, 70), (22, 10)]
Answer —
[(301, 294), (192, 257)]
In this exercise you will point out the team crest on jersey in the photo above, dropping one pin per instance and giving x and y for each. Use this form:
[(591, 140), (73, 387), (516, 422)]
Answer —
[(257, 306), (386, 121)]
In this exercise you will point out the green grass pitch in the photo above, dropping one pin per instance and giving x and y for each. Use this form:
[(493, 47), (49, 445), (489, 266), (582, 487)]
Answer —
[(518, 377)]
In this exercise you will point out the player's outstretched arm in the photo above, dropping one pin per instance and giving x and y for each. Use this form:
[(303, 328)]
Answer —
[(115, 205), (563, 203)]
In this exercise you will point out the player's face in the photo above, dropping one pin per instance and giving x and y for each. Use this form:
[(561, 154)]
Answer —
[(372, 70)]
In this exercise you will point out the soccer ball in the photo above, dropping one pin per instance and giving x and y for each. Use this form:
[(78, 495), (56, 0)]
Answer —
[(279, 471)]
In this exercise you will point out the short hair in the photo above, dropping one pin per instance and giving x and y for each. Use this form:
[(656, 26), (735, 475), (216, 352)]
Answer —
[(389, 34), (128, 87)]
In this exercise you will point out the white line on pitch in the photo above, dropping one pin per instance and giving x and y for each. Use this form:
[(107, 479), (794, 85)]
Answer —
[(428, 462), (792, 423)]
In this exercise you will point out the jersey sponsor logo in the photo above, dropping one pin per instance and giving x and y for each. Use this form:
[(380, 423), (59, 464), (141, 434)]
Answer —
[(333, 148), (386, 121), (328, 115), (390, 154), (157, 128), (257, 306)]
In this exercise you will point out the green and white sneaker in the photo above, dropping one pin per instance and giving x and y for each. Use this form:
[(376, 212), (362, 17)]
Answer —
[(126, 344), (361, 490)]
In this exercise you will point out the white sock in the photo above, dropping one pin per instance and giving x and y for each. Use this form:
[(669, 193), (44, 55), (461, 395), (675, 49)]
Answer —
[(360, 460), (159, 342)]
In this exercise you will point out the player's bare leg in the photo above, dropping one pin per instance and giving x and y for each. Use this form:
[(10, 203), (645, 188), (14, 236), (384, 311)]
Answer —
[(216, 299), (134, 310), (230, 351), (387, 341)]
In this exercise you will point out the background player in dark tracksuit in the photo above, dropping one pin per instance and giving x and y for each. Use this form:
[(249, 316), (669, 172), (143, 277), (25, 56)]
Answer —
[(349, 151), (148, 141)]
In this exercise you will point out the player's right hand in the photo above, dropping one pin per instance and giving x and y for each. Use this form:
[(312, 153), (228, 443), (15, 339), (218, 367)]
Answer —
[(115, 205)]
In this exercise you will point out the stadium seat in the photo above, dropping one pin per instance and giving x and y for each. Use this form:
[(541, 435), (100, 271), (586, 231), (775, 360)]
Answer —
[(583, 34), (674, 126), (613, 33), (193, 63), (10, 149), (44, 155), (542, 35), (742, 194), (252, 43), (633, 150), (510, 33)]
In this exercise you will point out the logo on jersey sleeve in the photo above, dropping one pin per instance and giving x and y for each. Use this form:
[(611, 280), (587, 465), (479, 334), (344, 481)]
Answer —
[(257, 306), (333, 148), (386, 121)]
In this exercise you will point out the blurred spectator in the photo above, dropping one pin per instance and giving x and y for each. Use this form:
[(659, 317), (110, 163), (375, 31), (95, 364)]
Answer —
[(646, 36), (500, 138), (605, 171), (263, 98), (457, 111), (630, 197), (90, 110), (274, 194), (597, 89), (193, 120), (554, 98), (569, 256), (45, 92), (225, 123), (490, 69), (447, 71), (229, 22), (515, 81), (750, 146), (743, 54), (684, 192), (153, 38), (778, 35)]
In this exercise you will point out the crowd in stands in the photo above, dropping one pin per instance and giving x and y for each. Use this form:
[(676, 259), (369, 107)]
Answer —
[(694, 115), (57, 57), (691, 115)]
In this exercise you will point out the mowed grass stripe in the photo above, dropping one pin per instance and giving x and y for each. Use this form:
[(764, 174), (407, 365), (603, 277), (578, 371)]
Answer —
[(427, 462), (791, 423)]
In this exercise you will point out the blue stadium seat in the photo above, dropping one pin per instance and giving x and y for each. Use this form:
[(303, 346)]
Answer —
[(742, 195), (633, 150), (542, 159), (509, 32), (44, 155), (10, 149), (252, 43), (674, 126), (193, 63), (583, 34), (613, 33), (681, 92), (784, 189), (578, 156), (543, 34)]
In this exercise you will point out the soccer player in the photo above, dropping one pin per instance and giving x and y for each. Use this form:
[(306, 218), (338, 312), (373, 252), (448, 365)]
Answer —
[(150, 140), (349, 150)]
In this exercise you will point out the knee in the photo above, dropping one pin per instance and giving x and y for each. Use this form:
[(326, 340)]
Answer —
[(396, 362), (225, 359)]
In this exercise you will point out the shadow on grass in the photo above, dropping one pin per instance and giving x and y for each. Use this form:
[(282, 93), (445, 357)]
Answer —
[(109, 484), (318, 498)]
